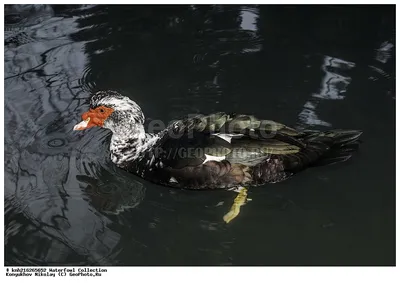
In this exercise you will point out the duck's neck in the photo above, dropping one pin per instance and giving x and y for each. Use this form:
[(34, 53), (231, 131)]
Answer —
[(130, 145)]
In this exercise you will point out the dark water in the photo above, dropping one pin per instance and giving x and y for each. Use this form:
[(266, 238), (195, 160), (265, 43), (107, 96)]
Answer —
[(307, 66)]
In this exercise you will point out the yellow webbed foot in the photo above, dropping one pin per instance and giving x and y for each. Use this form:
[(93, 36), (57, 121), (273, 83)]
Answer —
[(237, 203)]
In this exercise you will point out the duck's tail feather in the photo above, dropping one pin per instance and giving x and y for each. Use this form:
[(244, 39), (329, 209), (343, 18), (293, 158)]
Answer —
[(342, 145)]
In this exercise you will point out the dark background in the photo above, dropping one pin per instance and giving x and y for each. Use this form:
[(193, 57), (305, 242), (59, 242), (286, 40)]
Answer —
[(307, 66)]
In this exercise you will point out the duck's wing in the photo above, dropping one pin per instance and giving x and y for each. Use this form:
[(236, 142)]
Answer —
[(237, 138), (221, 150)]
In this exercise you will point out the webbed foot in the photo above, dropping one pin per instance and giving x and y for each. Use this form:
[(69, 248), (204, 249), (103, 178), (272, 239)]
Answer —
[(237, 203)]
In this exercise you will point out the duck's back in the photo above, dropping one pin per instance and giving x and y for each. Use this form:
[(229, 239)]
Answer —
[(223, 151)]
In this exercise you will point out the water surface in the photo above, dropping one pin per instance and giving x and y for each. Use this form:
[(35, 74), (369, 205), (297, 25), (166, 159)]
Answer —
[(317, 67)]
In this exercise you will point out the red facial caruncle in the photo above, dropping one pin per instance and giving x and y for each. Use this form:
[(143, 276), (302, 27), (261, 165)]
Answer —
[(94, 117)]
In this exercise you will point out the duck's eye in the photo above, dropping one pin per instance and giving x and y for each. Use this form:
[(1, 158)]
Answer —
[(101, 110)]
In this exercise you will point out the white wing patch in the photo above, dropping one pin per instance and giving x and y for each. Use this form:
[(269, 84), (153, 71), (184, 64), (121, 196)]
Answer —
[(227, 137), (213, 158)]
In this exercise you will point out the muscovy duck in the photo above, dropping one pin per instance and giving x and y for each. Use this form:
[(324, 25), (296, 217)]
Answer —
[(218, 151)]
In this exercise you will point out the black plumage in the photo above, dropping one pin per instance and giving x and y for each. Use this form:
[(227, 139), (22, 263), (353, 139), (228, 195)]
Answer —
[(262, 156)]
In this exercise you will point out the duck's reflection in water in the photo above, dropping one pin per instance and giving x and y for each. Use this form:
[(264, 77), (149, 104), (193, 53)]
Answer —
[(115, 197), (57, 210)]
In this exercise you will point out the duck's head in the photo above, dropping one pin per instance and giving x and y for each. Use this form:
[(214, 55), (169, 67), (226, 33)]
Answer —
[(111, 110)]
